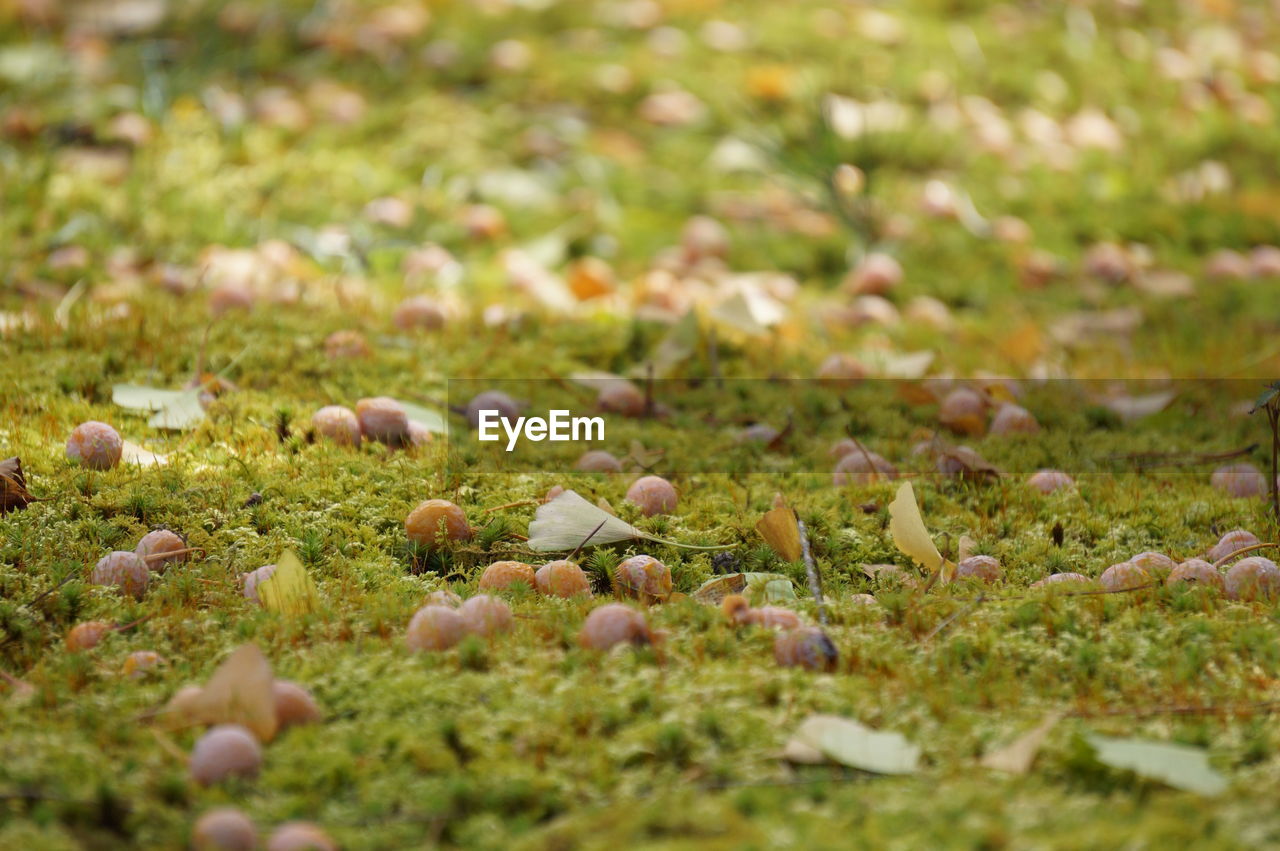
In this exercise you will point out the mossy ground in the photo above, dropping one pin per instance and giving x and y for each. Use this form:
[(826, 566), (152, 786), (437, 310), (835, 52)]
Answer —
[(530, 741)]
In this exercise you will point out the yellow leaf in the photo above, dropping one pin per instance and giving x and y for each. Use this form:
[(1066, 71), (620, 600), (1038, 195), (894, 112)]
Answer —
[(780, 531), (289, 590), (239, 692), (910, 535)]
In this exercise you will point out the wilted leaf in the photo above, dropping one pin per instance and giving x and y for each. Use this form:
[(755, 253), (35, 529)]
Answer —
[(1017, 756), (774, 587), (289, 590), (137, 397), (564, 523), (850, 743), (910, 535), (132, 453), (14, 495), (430, 419), (679, 345), (239, 692), (1179, 766), (714, 591), (749, 312), (781, 532), (1130, 408)]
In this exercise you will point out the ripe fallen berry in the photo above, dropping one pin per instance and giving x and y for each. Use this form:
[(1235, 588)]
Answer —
[(434, 628), (654, 495), (1014, 419), (485, 615), (613, 624), (229, 297), (443, 597), (95, 445), (501, 575), (139, 662), (841, 370), (300, 836), (964, 412), (984, 568), (294, 704), (124, 570), (383, 419), (492, 400), (338, 423), (87, 635), (1196, 571), (762, 433), (875, 275), (1123, 576), (227, 750), (598, 461), (251, 580), (1158, 565), (224, 829), (562, 579), (346, 345), (435, 522), (862, 468), (1239, 480), (1063, 579), (621, 397), (739, 611), (807, 647), (419, 312), (1254, 578), (154, 545), (1236, 539), (644, 577), (1048, 481)]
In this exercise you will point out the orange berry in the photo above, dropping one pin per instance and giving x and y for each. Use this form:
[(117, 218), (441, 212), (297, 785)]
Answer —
[(612, 624), (485, 615), (562, 579), (645, 577), (158, 543), (434, 628), (435, 522), (95, 445), (501, 575), (654, 495), (138, 663), (87, 635)]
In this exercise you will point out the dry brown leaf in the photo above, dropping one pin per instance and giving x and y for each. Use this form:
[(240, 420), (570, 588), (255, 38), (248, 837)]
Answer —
[(781, 532), (239, 692), (14, 495)]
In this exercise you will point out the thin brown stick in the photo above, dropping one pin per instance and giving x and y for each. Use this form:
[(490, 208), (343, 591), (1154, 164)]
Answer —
[(516, 504), (1261, 546), (811, 568), (955, 616)]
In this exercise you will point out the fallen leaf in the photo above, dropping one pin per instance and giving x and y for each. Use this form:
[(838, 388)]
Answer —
[(1017, 756), (429, 418), (774, 587), (1179, 766), (132, 453), (912, 538), (566, 522), (289, 590), (1130, 408), (14, 495), (239, 692), (781, 532), (850, 743)]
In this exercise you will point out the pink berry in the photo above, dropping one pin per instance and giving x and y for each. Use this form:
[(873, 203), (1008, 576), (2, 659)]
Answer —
[(227, 750), (1253, 578), (224, 829), (562, 579), (383, 419), (503, 575), (294, 704), (654, 495), (613, 624), (251, 580), (346, 345), (984, 568), (1048, 481), (419, 312), (598, 461), (1239, 480), (337, 423), (621, 397), (1158, 565), (1062, 579), (875, 275), (1264, 262), (434, 628), (808, 647), (1123, 576), (862, 468), (1014, 419), (645, 577), (1233, 541), (1196, 571), (300, 836), (841, 370), (124, 570), (228, 297), (443, 597), (738, 611), (485, 615), (1227, 265), (95, 445), (153, 547)]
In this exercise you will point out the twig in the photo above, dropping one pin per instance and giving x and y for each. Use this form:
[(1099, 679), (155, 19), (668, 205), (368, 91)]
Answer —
[(578, 549), (811, 567), (515, 504), (959, 613), (1179, 459), (1229, 556)]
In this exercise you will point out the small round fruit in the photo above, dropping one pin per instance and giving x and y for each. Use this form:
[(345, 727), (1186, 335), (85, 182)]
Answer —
[(251, 580), (621, 397), (139, 662), (502, 575), (1123, 576), (294, 704), (436, 522), (124, 570), (984, 568), (964, 462), (1158, 565), (224, 829), (1264, 262), (485, 615), (553, 492), (434, 628), (419, 434), (645, 577), (1227, 265), (1014, 419), (808, 647), (155, 546), (1253, 578), (760, 433), (1062, 579), (654, 495), (964, 412), (841, 370), (863, 600), (875, 275), (227, 750), (598, 461), (419, 312), (338, 423), (703, 237), (492, 400), (443, 597), (612, 624), (737, 609), (1048, 481), (862, 468), (1197, 571), (227, 297), (300, 836), (1233, 541), (1239, 480), (562, 579), (87, 635), (383, 419), (95, 445), (346, 345)]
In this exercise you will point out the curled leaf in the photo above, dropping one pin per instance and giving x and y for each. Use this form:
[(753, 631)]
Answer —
[(289, 590), (850, 743), (1179, 766), (912, 538), (239, 692), (14, 495), (781, 532)]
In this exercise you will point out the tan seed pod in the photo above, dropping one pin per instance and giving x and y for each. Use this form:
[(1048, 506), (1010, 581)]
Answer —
[(645, 577), (124, 570), (485, 615), (224, 829), (862, 468), (300, 836), (434, 628), (613, 624), (95, 445), (562, 579), (1198, 572), (984, 568), (424, 524), (153, 546), (598, 461), (654, 495), (1253, 578), (1048, 481), (294, 704), (337, 423), (808, 647), (383, 419), (1123, 576), (1239, 480), (227, 750), (87, 635), (502, 575)]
